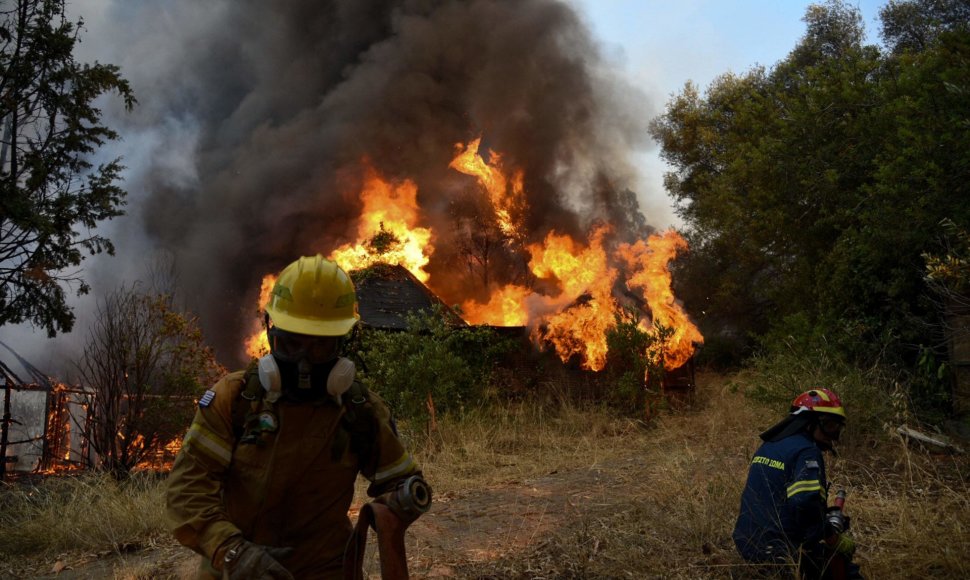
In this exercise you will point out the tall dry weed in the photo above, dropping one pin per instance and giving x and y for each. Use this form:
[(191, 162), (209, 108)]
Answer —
[(87, 512)]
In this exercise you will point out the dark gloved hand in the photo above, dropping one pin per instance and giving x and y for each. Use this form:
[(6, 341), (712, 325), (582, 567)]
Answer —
[(249, 561)]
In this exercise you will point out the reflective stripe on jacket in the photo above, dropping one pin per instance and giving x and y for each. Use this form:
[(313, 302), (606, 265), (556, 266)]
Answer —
[(784, 499)]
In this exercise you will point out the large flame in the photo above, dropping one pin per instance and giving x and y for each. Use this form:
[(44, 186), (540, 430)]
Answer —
[(576, 308), (581, 327), (576, 319), (506, 195), (387, 231), (649, 263), (506, 307)]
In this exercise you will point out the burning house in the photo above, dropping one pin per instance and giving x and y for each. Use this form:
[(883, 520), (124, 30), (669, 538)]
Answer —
[(487, 148), (389, 293), (569, 288), (45, 422)]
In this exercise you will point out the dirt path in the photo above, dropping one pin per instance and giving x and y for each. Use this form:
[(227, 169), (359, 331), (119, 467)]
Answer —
[(489, 524), (462, 529)]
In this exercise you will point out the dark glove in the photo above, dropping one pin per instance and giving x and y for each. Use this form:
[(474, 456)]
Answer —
[(249, 561)]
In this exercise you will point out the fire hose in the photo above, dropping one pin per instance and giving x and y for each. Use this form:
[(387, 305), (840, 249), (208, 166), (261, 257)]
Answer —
[(390, 520), (836, 523)]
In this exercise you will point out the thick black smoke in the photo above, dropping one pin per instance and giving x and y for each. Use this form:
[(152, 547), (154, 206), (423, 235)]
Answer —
[(290, 99)]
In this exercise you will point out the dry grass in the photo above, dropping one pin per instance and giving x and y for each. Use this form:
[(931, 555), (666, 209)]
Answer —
[(86, 512), (671, 492), (544, 489)]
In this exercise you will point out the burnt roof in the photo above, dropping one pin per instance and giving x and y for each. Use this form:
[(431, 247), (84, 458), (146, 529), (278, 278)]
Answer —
[(388, 293)]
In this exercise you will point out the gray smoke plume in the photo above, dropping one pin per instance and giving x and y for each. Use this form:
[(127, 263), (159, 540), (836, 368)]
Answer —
[(256, 119)]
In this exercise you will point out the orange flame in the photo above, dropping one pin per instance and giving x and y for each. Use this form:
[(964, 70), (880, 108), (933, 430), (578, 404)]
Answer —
[(506, 195), (387, 231), (580, 328), (575, 321), (506, 307), (649, 262), (257, 344)]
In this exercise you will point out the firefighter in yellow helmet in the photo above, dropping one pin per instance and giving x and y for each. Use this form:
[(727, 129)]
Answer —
[(266, 474)]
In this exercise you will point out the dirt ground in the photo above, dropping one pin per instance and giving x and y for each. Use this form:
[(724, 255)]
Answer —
[(461, 530), (462, 534)]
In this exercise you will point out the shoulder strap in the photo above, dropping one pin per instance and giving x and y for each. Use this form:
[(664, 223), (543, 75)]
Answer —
[(252, 392), (359, 420)]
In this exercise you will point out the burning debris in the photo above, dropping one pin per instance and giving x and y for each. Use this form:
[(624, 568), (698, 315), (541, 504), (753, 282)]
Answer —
[(48, 426)]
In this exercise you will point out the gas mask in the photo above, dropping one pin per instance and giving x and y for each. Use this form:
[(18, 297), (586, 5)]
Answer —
[(304, 367)]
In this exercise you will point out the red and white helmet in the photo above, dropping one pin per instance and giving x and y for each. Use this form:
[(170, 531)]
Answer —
[(819, 401)]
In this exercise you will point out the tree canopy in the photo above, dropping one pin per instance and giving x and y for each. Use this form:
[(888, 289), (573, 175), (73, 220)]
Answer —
[(811, 190), (51, 197)]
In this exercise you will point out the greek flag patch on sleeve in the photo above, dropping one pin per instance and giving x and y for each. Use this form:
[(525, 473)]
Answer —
[(811, 464), (207, 398)]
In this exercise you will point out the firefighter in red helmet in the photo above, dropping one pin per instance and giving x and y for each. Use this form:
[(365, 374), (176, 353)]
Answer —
[(266, 473), (784, 516)]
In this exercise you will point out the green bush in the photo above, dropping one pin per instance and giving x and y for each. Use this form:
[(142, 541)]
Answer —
[(635, 363), (873, 396), (871, 373), (450, 364)]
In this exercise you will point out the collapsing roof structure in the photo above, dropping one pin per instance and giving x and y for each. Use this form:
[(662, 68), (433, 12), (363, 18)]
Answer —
[(387, 294)]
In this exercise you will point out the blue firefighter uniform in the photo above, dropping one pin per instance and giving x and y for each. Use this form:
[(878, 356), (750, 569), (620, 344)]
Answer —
[(784, 501)]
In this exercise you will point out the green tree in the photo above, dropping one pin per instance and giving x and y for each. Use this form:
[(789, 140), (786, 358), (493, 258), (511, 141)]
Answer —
[(51, 198), (432, 361), (811, 190), (635, 363), (915, 25)]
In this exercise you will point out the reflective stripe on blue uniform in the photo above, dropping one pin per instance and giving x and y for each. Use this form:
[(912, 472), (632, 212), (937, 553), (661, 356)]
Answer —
[(783, 503)]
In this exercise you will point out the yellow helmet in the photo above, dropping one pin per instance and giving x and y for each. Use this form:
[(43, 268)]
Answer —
[(313, 296)]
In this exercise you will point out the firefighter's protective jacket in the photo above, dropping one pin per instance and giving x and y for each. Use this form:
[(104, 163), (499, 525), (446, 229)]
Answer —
[(287, 481), (783, 503)]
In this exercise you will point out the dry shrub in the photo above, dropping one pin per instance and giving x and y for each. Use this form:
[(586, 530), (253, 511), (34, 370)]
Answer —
[(911, 512), (670, 513), (520, 440), (90, 512)]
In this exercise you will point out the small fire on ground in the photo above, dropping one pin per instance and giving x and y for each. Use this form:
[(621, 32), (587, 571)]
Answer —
[(578, 286)]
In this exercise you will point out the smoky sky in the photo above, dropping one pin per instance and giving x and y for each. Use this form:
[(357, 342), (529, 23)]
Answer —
[(286, 102)]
